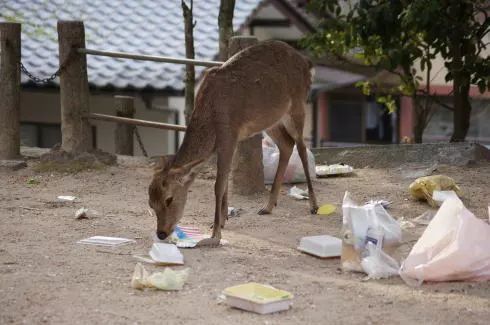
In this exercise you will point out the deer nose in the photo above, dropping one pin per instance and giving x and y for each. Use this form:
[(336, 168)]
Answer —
[(161, 235)]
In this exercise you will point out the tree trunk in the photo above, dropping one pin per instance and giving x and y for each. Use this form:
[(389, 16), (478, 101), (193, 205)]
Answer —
[(124, 132), (248, 169), (190, 74), (461, 81), (9, 90), (225, 23), (462, 108)]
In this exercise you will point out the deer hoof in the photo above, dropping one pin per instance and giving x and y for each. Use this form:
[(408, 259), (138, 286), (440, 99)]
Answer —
[(314, 210), (209, 242), (263, 211)]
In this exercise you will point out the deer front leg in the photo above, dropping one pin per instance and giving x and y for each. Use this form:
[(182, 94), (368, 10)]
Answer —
[(220, 188), (224, 207)]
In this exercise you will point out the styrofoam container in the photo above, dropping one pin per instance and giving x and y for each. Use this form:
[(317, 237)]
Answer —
[(330, 170), (441, 196), (105, 241), (322, 246), (258, 298), (163, 253)]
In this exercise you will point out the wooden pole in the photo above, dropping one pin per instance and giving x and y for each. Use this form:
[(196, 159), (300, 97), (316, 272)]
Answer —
[(248, 169), (76, 135), (124, 132), (133, 121), (9, 90)]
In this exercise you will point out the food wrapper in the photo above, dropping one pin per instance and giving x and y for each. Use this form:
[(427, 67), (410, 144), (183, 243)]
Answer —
[(166, 280), (423, 188)]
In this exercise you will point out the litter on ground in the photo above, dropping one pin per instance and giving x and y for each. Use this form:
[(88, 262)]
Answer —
[(81, 213), (454, 246), (425, 218), (187, 237), (166, 254), (326, 209), (297, 193), (258, 298), (440, 196), (106, 241), (166, 280), (424, 187), (333, 170), (384, 203), (233, 212), (66, 198), (294, 171), (362, 224), (323, 246)]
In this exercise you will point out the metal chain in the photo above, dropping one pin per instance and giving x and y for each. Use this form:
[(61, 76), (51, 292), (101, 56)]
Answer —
[(138, 137), (50, 78)]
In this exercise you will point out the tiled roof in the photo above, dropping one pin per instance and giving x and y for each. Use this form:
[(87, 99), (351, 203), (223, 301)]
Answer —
[(152, 27)]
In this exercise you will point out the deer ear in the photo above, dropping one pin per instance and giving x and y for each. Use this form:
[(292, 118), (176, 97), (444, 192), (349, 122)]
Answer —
[(186, 169), (164, 162)]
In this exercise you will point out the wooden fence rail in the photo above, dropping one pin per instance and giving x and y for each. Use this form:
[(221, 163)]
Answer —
[(132, 121), (144, 57)]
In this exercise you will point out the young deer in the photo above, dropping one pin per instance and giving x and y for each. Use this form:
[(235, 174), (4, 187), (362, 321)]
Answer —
[(263, 87)]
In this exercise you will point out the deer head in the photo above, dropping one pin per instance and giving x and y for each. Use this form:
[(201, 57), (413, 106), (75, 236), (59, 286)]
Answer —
[(168, 193)]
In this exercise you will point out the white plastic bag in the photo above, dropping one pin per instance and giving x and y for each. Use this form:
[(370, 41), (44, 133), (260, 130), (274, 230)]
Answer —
[(294, 172), (357, 221), (377, 264), (454, 246)]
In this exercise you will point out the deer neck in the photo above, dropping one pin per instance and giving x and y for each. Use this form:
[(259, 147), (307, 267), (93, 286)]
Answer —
[(198, 143)]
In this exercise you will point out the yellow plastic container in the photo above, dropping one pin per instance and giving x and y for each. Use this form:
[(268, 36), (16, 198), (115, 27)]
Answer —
[(258, 298)]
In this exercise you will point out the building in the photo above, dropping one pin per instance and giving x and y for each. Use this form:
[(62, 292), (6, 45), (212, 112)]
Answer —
[(337, 111)]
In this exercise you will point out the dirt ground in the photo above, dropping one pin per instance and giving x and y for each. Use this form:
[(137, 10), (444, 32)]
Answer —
[(45, 277)]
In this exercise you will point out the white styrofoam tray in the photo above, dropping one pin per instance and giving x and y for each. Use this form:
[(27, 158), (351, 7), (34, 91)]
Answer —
[(322, 246)]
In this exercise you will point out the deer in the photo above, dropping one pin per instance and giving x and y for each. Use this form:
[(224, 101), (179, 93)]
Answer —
[(261, 88)]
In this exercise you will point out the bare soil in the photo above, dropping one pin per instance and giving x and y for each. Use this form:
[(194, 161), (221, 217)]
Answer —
[(45, 277)]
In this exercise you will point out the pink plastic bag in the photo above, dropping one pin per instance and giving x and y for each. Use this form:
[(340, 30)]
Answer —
[(455, 246)]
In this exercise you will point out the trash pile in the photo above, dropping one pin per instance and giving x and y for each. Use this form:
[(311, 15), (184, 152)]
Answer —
[(453, 247)]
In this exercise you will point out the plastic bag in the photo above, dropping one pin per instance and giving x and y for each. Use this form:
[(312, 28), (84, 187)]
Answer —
[(454, 246), (423, 188), (294, 172), (357, 222), (377, 264), (166, 280)]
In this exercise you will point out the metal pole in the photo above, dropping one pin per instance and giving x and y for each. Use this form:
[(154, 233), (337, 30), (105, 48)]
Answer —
[(144, 57)]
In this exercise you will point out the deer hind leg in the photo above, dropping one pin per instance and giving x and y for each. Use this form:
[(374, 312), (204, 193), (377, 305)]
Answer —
[(295, 128), (285, 144)]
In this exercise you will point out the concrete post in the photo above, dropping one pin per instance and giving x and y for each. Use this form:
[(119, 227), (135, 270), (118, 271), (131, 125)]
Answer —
[(76, 135), (124, 132), (248, 169), (9, 91)]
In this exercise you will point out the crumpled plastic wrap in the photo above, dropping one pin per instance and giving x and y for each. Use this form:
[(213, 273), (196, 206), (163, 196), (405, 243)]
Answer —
[(166, 280), (377, 264), (423, 188)]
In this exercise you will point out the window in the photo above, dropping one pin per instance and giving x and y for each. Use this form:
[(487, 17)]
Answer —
[(40, 135)]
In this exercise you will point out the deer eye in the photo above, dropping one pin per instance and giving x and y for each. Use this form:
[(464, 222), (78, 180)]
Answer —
[(168, 201)]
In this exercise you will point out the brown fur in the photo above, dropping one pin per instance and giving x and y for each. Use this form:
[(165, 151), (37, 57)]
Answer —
[(263, 87)]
